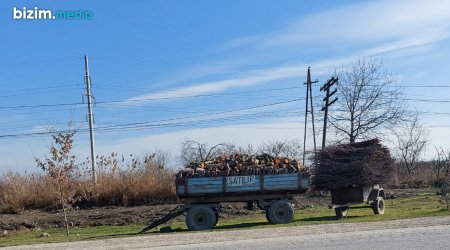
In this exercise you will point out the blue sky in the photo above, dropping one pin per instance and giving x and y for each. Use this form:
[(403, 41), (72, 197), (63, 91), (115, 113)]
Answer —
[(212, 71)]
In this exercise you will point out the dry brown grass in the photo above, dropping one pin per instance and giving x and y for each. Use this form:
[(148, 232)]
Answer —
[(133, 187), (25, 191), (137, 183)]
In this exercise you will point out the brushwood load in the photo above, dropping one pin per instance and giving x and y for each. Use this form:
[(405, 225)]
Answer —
[(365, 163), (354, 173)]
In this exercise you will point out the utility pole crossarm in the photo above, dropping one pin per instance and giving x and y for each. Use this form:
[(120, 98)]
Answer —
[(326, 87)]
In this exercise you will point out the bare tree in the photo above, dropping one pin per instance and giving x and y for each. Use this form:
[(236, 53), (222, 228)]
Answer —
[(230, 148), (158, 158), (411, 139), (445, 192), (442, 163), (289, 148), (368, 100), (442, 166), (192, 151), (61, 166)]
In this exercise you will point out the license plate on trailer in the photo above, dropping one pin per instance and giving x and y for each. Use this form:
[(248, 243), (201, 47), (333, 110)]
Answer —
[(238, 181)]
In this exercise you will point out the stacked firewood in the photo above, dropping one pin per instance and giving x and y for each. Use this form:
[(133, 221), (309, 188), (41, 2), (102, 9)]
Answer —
[(357, 164), (241, 164)]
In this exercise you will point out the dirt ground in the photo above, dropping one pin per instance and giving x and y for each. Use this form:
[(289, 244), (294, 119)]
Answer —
[(116, 216)]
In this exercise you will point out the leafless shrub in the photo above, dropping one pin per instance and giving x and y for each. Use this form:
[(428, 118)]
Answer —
[(288, 148), (192, 151), (61, 167), (445, 192), (411, 139), (442, 164), (231, 149)]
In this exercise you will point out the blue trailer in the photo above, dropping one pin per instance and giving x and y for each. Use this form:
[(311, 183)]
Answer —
[(202, 197)]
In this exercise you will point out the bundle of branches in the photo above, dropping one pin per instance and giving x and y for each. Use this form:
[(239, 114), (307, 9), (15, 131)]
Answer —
[(241, 164), (357, 164)]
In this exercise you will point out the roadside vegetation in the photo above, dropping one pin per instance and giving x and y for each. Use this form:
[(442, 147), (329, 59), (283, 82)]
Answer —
[(137, 181), (421, 205)]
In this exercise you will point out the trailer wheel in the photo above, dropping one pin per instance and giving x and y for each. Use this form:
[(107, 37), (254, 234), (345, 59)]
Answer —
[(268, 217), (341, 212), (201, 218), (217, 217), (378, 206), (280, 212)]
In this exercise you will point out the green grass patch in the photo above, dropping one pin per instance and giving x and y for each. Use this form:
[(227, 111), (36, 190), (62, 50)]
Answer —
[(422, 205)]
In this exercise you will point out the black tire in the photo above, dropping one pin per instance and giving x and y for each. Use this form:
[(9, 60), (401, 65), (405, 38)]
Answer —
[(378, 206), (201, 218), (280, 212), (250, 205), (268, 217), (217, 218), (341, 212)]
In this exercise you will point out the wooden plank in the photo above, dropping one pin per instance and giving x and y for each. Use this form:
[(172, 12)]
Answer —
[(262, 183), (201, 190), (236, 198), (279, 182), (180, 189), (224, 184), (261, 180), (215, 180), (255, 187), (305, 183)]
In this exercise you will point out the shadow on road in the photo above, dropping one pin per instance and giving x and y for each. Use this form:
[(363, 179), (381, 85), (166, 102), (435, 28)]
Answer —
[(324, 218), (243, 225)]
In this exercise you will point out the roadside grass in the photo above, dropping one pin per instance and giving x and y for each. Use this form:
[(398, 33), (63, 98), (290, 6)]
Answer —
[(422, 205)]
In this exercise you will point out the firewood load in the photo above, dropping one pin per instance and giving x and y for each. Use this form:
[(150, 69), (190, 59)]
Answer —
[(241, 164), (357, 164)]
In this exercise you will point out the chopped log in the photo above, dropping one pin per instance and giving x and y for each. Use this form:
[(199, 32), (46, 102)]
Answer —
[(240, 164)]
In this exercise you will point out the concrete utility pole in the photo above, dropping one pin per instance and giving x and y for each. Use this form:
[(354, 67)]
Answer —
[(309, 99), (326, 87), (91, 119)]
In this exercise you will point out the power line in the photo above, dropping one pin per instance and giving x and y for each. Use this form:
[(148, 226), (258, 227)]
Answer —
[(155, 124), (41, 62), (41, 88), (135, 100), (220, 112), (188, 117)]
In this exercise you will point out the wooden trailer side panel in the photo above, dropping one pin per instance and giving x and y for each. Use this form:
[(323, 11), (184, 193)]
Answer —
[(229, 185)]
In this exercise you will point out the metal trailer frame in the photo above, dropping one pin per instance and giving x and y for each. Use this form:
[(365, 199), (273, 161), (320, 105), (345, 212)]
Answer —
[(202, 208), (343, 198)]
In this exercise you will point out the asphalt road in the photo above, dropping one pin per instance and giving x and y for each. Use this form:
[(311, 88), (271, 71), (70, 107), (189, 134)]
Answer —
[(419, 233), (434, 237)]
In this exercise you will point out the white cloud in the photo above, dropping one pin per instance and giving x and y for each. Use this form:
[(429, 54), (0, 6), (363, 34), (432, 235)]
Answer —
[(250, 78), (41, 128), (367, 22), (376, 27)]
